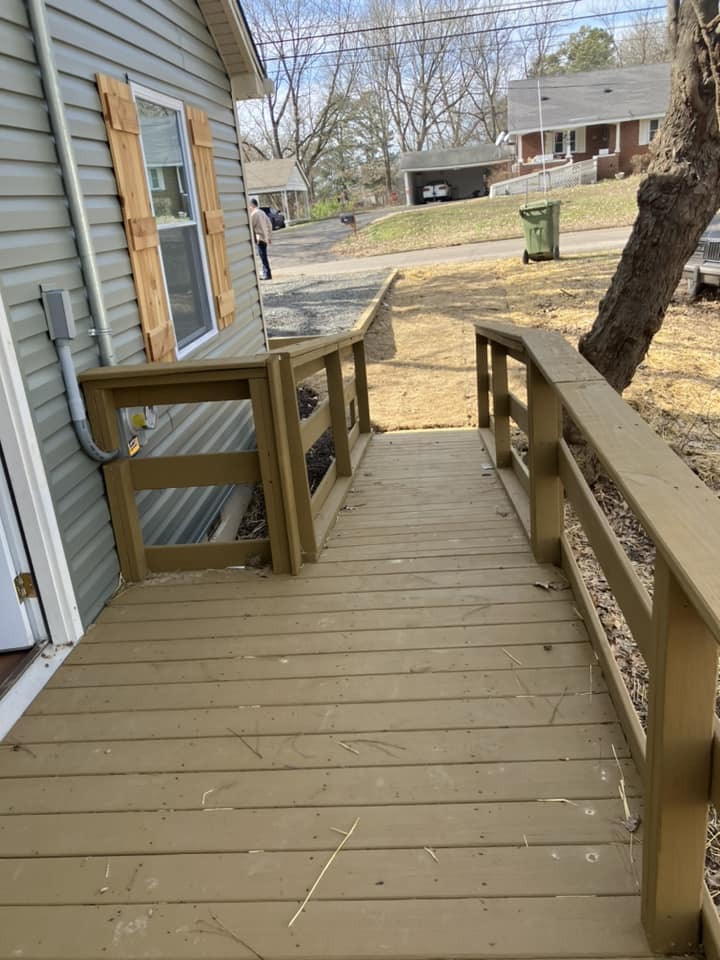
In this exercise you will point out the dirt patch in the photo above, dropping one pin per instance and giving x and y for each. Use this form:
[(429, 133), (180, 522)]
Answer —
[(420, 350)]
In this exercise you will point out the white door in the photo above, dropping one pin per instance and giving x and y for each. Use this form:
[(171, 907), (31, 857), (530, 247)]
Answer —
[(21, 620)]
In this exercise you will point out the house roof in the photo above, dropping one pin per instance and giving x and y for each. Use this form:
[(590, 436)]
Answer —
[(479, 155), (599, 96), (228, 25), (270, 176)]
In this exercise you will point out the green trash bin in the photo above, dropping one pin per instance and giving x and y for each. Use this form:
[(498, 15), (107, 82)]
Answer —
[(541, 225)]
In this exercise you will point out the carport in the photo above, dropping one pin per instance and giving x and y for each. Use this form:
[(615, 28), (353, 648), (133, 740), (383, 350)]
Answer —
[(281, 184), (465, 169)]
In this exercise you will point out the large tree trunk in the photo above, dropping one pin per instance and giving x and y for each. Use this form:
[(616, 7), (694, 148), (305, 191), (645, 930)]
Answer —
[(676, 201)]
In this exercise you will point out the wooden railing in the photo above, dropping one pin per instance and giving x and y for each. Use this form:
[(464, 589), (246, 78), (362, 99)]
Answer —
[(345, 411), (296, 522), (676, 629)]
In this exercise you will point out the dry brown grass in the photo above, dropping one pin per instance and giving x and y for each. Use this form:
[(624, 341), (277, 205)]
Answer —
[(422, 358)]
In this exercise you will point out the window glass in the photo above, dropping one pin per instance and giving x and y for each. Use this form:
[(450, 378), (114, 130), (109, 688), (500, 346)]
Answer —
[(167, 164), (653, 129)]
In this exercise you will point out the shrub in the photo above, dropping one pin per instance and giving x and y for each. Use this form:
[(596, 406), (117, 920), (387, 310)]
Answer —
[(322, 209), (640, 162)]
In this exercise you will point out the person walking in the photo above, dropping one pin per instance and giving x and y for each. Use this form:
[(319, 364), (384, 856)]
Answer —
[(262, 231)]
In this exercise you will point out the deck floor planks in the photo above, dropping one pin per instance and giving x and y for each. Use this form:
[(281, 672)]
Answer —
[(187, 771)]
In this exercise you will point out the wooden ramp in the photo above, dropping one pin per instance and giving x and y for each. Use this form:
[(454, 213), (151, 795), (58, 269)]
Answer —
[(178, 787)]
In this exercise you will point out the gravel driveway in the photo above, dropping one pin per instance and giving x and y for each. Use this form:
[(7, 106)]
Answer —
[(318, 306)]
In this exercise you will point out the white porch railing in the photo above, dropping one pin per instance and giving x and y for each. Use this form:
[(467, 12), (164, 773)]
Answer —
[(569, 175)]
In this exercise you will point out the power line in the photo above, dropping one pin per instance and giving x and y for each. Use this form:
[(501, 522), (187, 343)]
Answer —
[(452, 36), (467, 14)]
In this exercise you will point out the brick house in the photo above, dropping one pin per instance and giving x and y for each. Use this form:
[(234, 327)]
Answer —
[(610, 114)]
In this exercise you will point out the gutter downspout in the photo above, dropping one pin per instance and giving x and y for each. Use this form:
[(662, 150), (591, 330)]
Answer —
[(68, 168)]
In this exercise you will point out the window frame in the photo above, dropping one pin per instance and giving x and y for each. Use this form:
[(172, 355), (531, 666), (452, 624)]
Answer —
[(568, 138), (141, 92), (645, 133)]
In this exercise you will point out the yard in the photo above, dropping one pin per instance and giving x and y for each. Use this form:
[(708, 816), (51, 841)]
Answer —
[(425, 334), (610, 203)]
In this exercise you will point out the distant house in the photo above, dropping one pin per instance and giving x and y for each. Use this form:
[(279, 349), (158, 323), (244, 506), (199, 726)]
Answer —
[(281, 184), (464, 169), (609, 114), (121, 189)]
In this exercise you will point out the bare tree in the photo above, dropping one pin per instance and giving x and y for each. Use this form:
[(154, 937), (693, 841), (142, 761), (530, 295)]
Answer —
[(644, 41), (539, 36), (675, 202), (306, 50), (489, 58), (415, 47)]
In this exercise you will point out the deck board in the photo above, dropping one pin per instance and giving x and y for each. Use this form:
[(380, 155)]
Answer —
[(178, 786)]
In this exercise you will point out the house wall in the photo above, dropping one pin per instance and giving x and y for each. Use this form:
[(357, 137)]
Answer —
[(597, 137), (163, 44)]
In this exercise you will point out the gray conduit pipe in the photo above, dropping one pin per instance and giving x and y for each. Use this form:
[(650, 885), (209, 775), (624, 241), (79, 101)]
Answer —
[(68, 167), (77, 406)]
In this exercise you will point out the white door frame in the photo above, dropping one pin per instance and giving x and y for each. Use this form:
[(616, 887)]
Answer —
[(36, 512)]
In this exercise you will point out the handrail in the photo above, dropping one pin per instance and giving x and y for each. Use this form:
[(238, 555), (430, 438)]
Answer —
[(677, 630), (677, 510), (297, 523)]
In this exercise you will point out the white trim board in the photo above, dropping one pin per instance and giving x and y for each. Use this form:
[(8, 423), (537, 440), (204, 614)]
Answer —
[(29, 482)]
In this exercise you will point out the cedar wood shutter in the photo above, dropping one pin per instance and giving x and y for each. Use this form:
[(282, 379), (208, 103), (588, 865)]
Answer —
[(211, 215), (123, 131)]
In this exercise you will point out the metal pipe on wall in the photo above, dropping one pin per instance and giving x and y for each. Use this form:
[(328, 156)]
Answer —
[(73, 189)]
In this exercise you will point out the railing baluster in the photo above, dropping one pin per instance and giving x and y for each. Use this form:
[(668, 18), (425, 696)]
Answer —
[(681, 709), (303, 503), (483, 381), (501, 406), (336, 396), (270, 472), (361, 385), (546, 493)]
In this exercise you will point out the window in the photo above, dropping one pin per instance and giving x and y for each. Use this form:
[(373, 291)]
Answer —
[(563, 143), (169, 171), (157, 178), (648, 130)]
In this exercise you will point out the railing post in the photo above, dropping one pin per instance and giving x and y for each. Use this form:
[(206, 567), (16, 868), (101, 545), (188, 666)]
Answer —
[(361, 385), (483, 380), (266, 440), (501, 406), (546, 493), (124, 514), (336, 399), (303, 503), (284, 463), (681, 710)]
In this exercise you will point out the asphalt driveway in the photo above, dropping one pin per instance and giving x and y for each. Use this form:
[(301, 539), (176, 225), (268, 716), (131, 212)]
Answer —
[(310, 243)]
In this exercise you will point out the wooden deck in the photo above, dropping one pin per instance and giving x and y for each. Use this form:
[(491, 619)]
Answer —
[(178, 787)]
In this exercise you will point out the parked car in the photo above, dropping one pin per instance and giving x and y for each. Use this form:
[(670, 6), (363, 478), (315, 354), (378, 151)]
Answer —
[(277, 217), (436, 192), (703, 267)]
